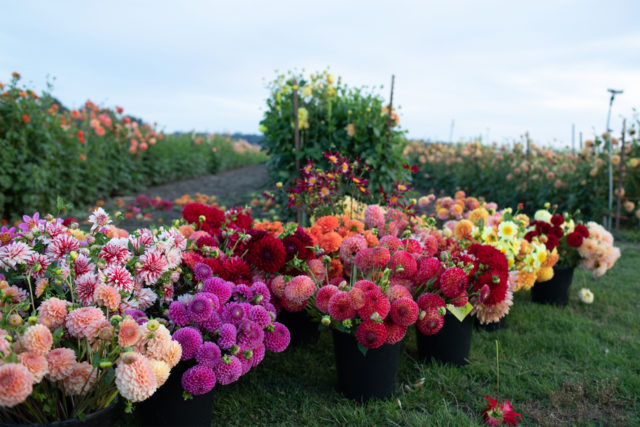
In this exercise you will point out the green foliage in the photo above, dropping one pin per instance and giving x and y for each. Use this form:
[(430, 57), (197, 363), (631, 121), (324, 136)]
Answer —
[(47, 151), (349, 121), (533, 176)]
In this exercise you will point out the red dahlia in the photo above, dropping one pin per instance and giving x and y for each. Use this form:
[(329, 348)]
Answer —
[(582, 230), (371, 334), (375, 302), (557, 220), (267, 254), (575, 239)]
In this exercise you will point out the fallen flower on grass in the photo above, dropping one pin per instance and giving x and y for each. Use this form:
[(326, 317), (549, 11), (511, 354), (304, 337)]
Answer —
[(586, 296), (495, 415)]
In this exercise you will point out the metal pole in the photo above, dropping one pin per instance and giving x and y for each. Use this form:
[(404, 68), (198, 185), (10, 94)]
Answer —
[(573, 137), (296, 142), (393, 79), (453, 122), (621, 176), (613, 93)]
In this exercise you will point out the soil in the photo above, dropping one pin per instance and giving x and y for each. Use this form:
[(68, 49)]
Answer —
[(230, 187)]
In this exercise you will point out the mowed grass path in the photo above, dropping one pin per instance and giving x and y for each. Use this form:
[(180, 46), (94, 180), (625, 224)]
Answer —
[(578, 365)]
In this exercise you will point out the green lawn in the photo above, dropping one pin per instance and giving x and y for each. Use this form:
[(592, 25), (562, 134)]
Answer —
[(577, 365)]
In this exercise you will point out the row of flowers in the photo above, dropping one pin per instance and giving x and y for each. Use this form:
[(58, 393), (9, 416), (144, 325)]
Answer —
[(536, 174)]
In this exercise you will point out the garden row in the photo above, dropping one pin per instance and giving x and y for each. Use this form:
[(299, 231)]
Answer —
[(156, 314), (48, 151), (526, 173)]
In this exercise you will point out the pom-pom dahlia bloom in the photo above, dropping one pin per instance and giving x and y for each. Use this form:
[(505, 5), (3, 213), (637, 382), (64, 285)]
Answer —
[(135, 377)]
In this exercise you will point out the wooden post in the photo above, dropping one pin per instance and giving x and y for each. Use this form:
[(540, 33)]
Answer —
[(296, 142), (393, 78), (621, 175)]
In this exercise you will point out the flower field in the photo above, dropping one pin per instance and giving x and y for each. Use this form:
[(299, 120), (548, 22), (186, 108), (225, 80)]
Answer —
[(483, 302), (92, 152), (533, 175)]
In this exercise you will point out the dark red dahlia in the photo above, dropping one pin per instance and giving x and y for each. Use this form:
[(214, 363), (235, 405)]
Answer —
[(267, 254), (557, 220), (575, 239), (530, 235), (552, 242), (557, 231), (582, 230), (236, 270), (206, 241)]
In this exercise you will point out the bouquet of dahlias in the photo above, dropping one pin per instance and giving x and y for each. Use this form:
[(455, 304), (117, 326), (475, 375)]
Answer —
[(68, 345), (225, 328), (240, 250), (565, 239), (597, 250)]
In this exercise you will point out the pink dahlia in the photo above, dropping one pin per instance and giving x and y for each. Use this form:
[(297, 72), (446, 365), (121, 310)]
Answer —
[(250, 334), (429, 301), (340, 307), (428, 269), (200, 308), (260, 315), (135, 377), (17, 384), (398, 291), (85, 287), (220, 287), (62, 245), (395, 332), (324, 295), (374, 217), (227, 336), (115, 252), (208, 354), (350, 247), (198, 380), (431, 323), (35, 363), (404, 311), (390, 242), (14, 254), (190, 339), (403, 265), (119, 277), (371, 334), (153, 266), (453, 281), (278, 339), (85, 322), (299, 289), (81, 380), (61, 362), (37, 339), (229, 370), (375, 302), (356, 298), (53, 309)]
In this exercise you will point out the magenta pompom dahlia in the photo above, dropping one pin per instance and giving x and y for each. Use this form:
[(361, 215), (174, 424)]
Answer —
[(200, 308), (198, 380), (208, 354), (278, 339), (190, 339), (228, 370)]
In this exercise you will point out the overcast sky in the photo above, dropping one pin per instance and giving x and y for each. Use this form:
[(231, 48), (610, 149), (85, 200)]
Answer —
[(498, 68)]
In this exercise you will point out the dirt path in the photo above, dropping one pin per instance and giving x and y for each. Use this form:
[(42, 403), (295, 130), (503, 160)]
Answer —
[(226, 186), (230, 187)]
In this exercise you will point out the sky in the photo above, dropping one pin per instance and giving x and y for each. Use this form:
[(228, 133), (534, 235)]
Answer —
[(496, 69)]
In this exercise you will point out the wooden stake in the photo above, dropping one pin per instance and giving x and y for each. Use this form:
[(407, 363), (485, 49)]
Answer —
[(621, 175), (296, 143), (393, 79)]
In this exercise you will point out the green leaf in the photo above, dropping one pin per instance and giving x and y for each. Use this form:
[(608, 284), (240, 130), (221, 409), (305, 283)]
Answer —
[(460, 312), (363, 349)]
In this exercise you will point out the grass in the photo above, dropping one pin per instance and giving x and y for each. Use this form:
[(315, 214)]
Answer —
[(576, 365)]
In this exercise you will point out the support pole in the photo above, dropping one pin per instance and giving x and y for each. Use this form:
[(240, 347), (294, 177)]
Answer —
[(621, 175), (296, 143), (389, 118)]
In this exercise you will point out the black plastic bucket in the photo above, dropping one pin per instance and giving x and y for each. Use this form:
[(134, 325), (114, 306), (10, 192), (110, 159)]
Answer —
[(103, 417), (554, 291), (166, 407), (363, 377), (490, 327), (450, 345), (301, 328)]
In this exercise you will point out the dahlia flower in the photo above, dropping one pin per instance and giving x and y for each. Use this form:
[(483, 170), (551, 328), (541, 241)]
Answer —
[(135, 377), (17, 384)]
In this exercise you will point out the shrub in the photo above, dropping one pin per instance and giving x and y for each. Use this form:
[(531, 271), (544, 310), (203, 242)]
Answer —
[(351, 121)]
